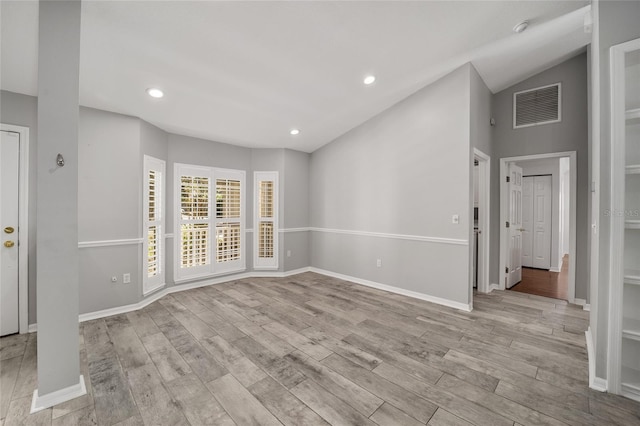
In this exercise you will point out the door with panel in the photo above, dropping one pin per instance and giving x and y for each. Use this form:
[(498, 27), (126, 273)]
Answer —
[(527, 221), (514, 262), (9, 190), (542, 222)]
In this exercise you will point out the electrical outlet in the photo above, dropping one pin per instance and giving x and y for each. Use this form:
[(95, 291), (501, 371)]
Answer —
[(455, 219), (379, 263), (126, 278), (114, 279), (288, 253)]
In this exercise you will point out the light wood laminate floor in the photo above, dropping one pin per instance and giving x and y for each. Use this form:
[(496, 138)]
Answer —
[(314, 350)]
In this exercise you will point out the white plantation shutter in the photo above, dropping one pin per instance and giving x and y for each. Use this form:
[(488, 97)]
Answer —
[(229, 221), (537, 106), (265, 220), (209, 216), (153, 220), (193, 217)]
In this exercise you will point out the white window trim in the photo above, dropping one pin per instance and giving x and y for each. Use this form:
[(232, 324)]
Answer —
[(273, 263), (522, 126), (212, 269), (151, 284)]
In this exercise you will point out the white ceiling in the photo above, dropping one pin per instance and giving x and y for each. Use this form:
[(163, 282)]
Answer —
[(245, 73)]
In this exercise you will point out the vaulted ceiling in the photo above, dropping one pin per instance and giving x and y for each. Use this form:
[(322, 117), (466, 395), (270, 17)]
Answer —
[(246, 73)]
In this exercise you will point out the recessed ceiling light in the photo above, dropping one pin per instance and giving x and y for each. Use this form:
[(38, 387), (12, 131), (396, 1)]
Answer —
[(521, 27), (155, 93), (369, 79), (294, 132)]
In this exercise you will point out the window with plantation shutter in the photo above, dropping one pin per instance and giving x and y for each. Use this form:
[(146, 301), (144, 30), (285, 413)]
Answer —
[(266, 220), (229, 220), (537, 106), (210, 219), (153, 219)]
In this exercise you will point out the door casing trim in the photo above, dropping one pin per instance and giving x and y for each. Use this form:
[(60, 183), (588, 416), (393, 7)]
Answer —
[(504, 214), (23, 225)]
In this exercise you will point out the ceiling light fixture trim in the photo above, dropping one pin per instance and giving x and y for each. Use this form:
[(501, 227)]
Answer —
[(294, 132), (520, 27)]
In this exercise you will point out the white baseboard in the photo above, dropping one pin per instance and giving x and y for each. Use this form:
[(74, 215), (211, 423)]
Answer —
[(581, 302), (595, 383), (552, 269), (599, 384), (397, 290), (493, 286), (177, 288), (39, 403), (630, 391)]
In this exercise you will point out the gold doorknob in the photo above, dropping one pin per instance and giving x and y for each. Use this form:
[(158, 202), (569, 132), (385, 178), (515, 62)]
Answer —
[(9, 243), (8, 230)]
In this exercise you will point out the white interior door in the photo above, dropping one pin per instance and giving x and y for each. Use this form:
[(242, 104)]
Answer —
[(9, 180), (527, 221), (542, 222), (514, 272)]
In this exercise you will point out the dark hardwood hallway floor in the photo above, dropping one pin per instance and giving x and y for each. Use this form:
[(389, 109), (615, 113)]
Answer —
[(545, 283), (313, 350)]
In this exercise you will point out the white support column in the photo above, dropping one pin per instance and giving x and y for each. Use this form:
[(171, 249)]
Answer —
[(59, 376)]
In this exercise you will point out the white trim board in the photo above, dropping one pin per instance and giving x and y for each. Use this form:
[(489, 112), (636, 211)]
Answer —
[(595, 383), (484, 224), (286, 230), (454, 241), (23, 225), (397, 290), (109, 243), (140, 240), (39, 403)]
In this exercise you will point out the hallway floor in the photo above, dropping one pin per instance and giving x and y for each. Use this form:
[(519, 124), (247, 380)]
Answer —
[(545, 283), (314, 350)]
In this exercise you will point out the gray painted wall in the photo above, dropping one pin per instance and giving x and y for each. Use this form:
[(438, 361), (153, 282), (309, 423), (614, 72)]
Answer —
[(481, 101), (618, 22), (109, 207), (386, 176), (296, 210), (568, 135), (22, 110)]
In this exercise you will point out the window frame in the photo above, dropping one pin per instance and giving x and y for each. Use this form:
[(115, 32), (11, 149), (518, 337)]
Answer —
[(212, 268), (151, 284), (265, 263)]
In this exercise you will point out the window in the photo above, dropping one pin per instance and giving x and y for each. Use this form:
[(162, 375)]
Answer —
[(209, 204), (228, 222), (537, 106), (266, 220), (153, 211)]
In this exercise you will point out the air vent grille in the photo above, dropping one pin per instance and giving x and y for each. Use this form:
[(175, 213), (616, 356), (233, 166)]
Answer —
[(537, 106)]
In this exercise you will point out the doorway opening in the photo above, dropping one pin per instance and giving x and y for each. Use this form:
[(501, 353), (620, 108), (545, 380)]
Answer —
[(538, 216), (479, 238), (14, 228)]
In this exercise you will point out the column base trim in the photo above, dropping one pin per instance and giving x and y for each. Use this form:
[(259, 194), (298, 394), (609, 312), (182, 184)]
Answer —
[(39, 403)]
